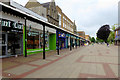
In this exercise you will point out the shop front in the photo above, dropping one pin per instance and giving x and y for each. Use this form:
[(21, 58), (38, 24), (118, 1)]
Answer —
[(35, 38), (62, 40), (12, 38), (78, 41), (35, 41), (67, 40), (73, 41)]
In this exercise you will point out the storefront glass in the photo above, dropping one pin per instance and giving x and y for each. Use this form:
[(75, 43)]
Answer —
[(14, 46), (12, 38), (35, 40), (62, 37)]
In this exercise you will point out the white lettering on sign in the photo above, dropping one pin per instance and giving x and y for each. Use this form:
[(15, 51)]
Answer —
[(17, 26), (9, 24), (12, 24), (0, 21), (6, 23)]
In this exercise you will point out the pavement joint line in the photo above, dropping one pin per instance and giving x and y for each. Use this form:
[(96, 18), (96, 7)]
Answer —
[(102, 55), (33, 65), (27, 73), (106, 66), (108, 71), (80, 58), (81, 75), (10, 75), (20, 63), (42, 66), (12, 67), (96, 62)]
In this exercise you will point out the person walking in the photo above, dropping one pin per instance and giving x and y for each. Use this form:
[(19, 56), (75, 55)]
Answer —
[(107, 44), (73, 45)]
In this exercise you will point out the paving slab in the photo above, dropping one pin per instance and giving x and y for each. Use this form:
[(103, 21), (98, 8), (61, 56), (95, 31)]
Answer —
[(98, 61), (40, 62), (20, 69)]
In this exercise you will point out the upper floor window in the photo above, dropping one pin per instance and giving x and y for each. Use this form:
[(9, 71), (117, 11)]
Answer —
[(43, 15)]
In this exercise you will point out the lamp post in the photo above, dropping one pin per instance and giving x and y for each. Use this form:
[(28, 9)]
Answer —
[(25, 38), (70, 44), (58, 42), (43, 41)]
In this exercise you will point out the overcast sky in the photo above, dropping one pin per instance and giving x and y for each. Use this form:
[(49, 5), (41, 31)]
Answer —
[(89, 15)]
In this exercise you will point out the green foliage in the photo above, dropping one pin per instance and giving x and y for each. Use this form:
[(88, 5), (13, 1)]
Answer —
[(112, 35), (92, 39), (99, 40), (110, 38)]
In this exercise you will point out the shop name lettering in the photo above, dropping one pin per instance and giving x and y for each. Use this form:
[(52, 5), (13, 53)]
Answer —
[(11, 24)]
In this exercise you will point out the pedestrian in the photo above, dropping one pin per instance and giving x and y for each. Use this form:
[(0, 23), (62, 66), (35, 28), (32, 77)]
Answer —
[(69, 45), (107, 44), (73, 45)]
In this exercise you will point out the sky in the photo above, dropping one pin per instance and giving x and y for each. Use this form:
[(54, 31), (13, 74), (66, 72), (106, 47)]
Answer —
[(89, 15)]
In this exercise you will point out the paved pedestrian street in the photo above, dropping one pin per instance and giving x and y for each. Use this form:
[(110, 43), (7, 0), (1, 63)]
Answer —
[(93, 61)]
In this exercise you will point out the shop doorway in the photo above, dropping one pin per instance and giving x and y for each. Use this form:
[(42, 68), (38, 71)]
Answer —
[(4, 44), (12, 44), (62, 43), (15, 44)]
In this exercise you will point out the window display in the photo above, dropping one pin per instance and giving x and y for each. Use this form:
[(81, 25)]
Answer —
[(35, 40)]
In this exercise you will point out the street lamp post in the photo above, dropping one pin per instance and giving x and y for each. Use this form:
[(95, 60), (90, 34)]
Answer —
[(43, 41), (25, 38), (76, 43), (58, 42), (70, 44), (79, 42)]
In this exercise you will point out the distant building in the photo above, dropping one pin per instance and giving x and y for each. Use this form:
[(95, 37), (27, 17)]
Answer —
[(81, 33), (46, 10), (5, 2), (22, 8), (74, 28), (87, 37), (65, 22), (36, 7), (52, 13)]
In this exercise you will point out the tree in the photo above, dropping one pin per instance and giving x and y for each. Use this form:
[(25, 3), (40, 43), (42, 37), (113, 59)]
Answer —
[(99, 40), (112, 35), (92, 39), (103, 32)]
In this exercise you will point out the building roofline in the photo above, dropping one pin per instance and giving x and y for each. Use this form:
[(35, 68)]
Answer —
[(31, 17)]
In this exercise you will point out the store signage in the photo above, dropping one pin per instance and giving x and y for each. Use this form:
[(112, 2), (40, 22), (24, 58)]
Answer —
[(62, 35), (11, 26)]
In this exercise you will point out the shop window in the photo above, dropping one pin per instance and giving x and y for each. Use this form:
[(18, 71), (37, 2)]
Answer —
[(35, 40), (43, 15)]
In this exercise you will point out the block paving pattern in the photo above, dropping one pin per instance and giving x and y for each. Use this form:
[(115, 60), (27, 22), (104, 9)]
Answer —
[(94, 61)]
